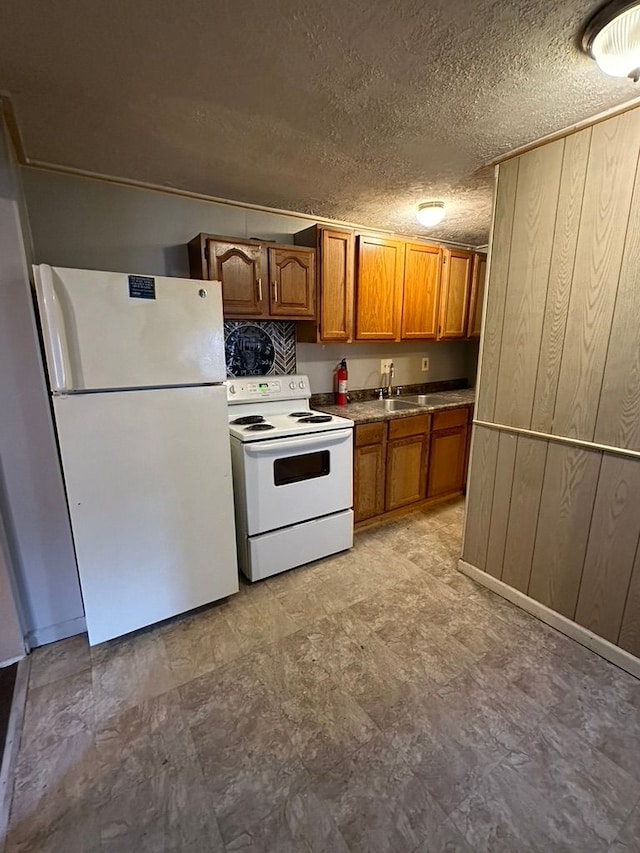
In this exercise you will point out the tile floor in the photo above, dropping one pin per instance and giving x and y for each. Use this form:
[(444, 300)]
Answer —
[(374, 701)]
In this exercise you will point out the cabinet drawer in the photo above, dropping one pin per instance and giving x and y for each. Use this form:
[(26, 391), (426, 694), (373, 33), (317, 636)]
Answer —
[(370, 433), (415, 425), (450, 418)]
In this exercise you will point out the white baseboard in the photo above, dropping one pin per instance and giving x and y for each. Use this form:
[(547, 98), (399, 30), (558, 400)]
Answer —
[(53, 633), (12, 743), (580, 634), (9, 661)]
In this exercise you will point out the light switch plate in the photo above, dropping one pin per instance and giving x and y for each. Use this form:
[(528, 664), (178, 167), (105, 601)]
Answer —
[(385, 365), (425, 364)]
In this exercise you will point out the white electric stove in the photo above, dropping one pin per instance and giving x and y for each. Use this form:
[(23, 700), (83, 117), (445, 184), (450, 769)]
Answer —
[(292, 475)]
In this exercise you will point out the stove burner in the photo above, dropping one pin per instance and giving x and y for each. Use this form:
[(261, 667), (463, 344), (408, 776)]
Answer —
[(249, 419), (315, 419), (299, 414), (259, 427)]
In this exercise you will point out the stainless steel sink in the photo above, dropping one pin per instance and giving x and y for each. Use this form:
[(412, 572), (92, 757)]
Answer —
[(417, 399), (395, 405)]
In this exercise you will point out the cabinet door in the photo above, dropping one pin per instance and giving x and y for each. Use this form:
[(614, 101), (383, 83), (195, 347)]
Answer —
[(293, 282), (368, 481), (478, 276), (454, 294), (336, 285), (447, 461), (406, 471), (242, 271), (422, 265), (379, 289)]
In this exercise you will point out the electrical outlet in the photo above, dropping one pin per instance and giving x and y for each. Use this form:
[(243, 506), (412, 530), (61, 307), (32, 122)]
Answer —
[(425, 364), (385, 365)]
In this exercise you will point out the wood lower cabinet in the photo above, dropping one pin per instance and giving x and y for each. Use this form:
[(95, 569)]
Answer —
[(422, 266), (455, 286), (405, 461), (448, 460), (335, 275), (292, 274), (448, 457), (369, 463), (380, 271), (406, 471), (259, 280)]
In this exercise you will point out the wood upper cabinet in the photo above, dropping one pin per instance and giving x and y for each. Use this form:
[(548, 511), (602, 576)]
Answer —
[(242, 269), (422, 265), (369, 464), (292, 273), (455, 284), (478, 276), (335, 274), (259, 280), (380, 270)]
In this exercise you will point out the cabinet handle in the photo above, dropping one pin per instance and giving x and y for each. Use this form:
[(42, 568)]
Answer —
[(259, 283), (275, 290)]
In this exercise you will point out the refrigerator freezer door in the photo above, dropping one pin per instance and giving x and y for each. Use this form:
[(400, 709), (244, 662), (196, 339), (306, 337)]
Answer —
[(113, 330), (148, 479)]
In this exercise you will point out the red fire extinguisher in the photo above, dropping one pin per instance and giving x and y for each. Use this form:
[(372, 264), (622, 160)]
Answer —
[(341, 383)]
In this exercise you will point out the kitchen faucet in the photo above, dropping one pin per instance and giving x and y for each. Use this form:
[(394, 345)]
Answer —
[(390, 379)]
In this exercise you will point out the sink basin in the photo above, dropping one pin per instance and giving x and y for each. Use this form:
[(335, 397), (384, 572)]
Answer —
[(418, 399), (394, 405)]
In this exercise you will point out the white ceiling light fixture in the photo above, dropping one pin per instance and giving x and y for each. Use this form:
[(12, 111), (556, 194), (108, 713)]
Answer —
[(612, 38), (430, 213)]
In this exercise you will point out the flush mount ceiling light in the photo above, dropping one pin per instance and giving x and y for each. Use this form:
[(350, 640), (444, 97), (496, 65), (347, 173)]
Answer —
[(612, 38), (430, 213)]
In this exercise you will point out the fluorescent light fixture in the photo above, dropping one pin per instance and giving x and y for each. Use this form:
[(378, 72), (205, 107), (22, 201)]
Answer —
[(430, 213), (612, 38)]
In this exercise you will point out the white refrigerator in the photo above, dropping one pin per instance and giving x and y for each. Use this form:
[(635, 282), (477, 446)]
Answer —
[(136, 366)]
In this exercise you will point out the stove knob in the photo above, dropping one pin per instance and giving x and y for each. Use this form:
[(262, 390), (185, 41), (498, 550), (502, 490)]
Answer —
[(232, 389), (301, 383), (292, 385)]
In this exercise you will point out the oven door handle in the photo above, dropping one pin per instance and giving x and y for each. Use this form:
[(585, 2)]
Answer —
[(321, 440)]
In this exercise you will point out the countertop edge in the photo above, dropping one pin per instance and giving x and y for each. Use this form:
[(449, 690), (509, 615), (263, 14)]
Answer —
[(367, 412)]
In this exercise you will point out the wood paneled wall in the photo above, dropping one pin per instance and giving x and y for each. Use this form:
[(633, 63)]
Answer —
[(551, 511), (562, 525)]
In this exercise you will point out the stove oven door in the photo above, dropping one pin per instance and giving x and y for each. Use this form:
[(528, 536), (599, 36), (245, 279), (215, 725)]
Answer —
[(295, 479)]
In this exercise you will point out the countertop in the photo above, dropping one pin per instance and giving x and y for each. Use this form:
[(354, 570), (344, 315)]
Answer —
[(368, 412)]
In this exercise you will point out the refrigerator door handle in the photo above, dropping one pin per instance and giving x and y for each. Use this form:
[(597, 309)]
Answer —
[(53, 328)]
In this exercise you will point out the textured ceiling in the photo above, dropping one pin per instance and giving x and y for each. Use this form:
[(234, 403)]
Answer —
[(351, 110)]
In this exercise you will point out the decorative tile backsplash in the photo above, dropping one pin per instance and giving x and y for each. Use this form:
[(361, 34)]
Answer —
[(254, 348)]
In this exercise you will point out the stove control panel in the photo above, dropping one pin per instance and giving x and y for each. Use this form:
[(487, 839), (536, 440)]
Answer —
[(253, 388)]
